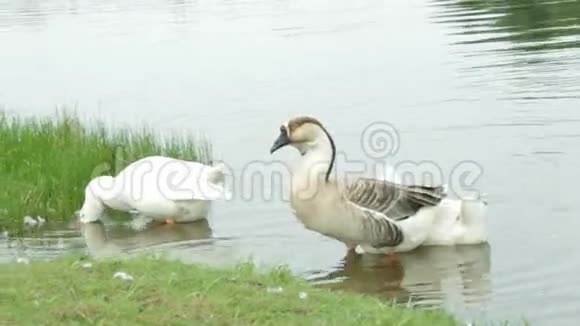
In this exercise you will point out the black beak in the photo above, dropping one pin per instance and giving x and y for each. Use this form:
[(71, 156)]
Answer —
[(281, 141)]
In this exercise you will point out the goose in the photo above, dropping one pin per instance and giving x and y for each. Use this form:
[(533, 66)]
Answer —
[(379, 216), (164, 189)]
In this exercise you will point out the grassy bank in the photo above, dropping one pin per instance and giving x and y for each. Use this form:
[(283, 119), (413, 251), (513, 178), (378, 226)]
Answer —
[(47, 162), (171, 293)]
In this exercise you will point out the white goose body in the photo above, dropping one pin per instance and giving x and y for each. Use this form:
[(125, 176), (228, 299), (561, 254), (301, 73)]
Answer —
[(458, 222), (161, 188), (377, 215)]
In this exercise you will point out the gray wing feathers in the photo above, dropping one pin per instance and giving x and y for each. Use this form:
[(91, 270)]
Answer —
[(380, 231), (393, 200), (380, 204)]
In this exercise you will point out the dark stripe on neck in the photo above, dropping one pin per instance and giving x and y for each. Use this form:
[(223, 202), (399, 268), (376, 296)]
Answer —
[(333, 154)]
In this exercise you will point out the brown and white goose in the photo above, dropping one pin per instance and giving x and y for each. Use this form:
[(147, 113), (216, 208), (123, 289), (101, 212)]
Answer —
[(377, 215)]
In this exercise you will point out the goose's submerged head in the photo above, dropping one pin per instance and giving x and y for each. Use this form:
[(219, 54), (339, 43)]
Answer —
[(306, 134), (93, 206)]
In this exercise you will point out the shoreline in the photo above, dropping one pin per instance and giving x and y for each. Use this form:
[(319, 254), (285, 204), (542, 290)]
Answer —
[(154, 291)]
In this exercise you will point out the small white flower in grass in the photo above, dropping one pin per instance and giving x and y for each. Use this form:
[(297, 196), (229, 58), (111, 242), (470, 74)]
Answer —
[(303, 295), (41, 220), (28, 220), (277, 289), (123, 276), (87, 265), (23, 260)]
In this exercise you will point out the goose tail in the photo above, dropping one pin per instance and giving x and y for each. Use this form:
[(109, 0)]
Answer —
[(473, 216), (474, 209), (216, 177), (216, 173)]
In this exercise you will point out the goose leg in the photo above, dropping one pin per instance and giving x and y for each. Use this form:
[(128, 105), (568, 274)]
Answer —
[(350, 248)]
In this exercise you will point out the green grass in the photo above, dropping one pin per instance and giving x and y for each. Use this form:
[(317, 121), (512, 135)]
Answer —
[(47, 162), (166, 292)]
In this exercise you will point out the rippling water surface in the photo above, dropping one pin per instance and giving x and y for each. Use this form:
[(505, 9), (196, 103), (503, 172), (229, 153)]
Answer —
[(491, 82)]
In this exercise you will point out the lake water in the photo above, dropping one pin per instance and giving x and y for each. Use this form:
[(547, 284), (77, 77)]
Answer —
[(491, 82)]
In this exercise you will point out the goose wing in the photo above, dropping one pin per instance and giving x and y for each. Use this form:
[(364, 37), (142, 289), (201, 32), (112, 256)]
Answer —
[(394, 200), (379, 204), (376, 229)]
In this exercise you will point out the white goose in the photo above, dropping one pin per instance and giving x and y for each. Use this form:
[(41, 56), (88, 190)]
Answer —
[(162, 188), (377, 215)]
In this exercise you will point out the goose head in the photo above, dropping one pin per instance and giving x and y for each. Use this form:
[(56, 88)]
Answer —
[(303, 133), (307, 135), (93, 206)]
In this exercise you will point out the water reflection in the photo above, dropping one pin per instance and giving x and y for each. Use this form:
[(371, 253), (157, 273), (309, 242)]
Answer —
[(427, 277), (524, 50), (183, 11), (530, 25), (25, 13), (38, 14), (99, 243)]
